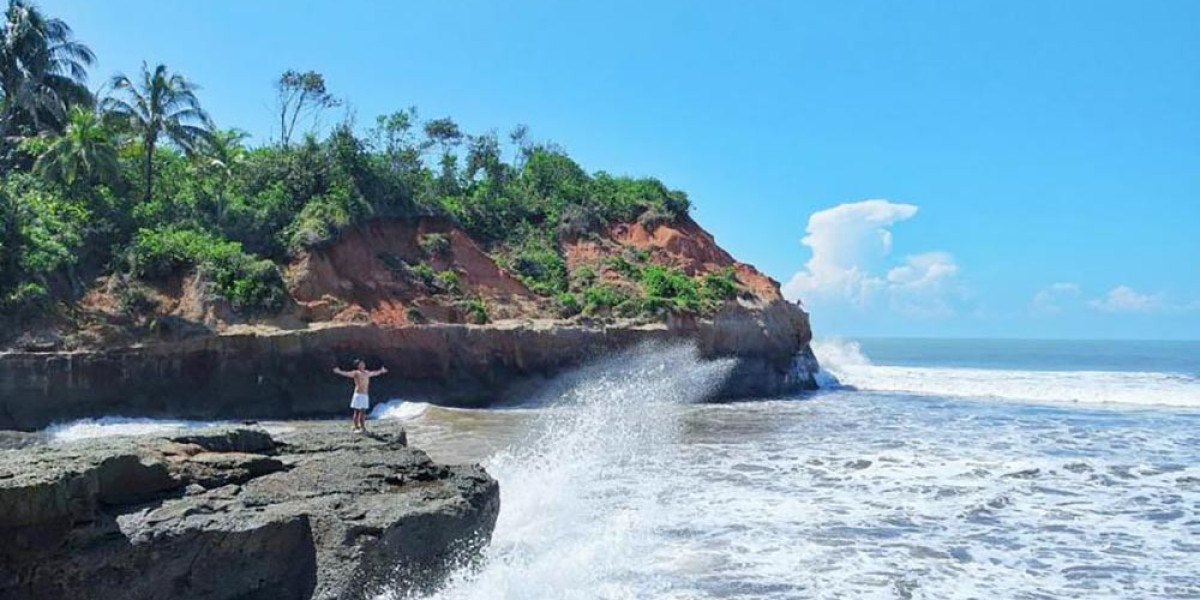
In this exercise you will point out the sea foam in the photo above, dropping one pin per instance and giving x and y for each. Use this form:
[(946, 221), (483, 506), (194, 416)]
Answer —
[(846, 360)]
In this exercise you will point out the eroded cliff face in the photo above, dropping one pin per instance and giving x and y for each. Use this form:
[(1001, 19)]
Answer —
[(349, 299)]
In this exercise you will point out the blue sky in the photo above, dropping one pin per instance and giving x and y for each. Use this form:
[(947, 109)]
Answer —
[(1037, 163)]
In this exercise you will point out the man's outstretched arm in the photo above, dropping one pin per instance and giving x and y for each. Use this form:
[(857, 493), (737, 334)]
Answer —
[(381, 371), (343, 373)]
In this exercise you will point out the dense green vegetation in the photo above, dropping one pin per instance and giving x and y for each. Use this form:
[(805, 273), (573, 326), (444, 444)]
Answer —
[(142, 183)]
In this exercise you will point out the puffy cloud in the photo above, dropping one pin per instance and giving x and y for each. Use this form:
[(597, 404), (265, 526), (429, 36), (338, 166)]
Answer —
[(924, 284), (850, 244), (1125, 299), (923, 271), (1048, 301)]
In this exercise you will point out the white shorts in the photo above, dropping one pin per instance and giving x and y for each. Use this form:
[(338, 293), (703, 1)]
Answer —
[(360, 401)]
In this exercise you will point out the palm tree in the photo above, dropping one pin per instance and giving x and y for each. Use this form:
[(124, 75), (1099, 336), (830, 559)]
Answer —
[(223, 149), (42, 70), (223, 152), (83, 154), (159, 103)]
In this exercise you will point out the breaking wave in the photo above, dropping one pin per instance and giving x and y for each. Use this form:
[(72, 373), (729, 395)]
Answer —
[(580, 495), (846, 360), (399, 409)]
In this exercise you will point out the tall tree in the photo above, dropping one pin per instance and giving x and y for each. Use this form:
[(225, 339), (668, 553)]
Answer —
[(42, 71), (159, 103), (221, 153), (445, 134), (84, 154), (300, 94)]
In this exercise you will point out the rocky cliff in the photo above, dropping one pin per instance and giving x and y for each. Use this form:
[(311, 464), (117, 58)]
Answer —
[(234, 513), (469, 338)]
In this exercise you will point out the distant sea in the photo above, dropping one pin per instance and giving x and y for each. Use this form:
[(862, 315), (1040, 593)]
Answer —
[(933, 469)]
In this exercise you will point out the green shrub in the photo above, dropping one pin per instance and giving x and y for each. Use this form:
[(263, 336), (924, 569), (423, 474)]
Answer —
[(602, 297), (719, 286), (248, 282), (536, 261), (414, 315), (28, 295), (156, 254), (568, 304), (654, 216), (448, 281), (622, 265), (671, 285), (477, 311), (422, 272), (321, 219), (41, 234), (435, 244), (577, 220), (584, 276), (625, 198)]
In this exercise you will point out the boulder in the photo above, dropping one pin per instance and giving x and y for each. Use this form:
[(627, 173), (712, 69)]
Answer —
[(319, 512)]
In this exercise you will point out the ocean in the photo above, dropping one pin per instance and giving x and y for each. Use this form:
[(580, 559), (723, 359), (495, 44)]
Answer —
[(934, 469)]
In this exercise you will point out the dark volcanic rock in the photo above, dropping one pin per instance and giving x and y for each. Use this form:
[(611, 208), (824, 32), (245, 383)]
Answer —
[(286, 374), (232, 513)]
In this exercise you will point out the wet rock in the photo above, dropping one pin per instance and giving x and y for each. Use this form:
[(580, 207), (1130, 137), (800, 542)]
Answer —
[(1023, 474), (13, 440), (232, 513), (999, 502), (230, 439)]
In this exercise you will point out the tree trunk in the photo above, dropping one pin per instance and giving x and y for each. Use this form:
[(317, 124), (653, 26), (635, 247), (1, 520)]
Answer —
[(149, 167)]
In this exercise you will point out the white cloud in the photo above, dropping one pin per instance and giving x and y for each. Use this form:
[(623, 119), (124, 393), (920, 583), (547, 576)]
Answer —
[(923, 271), (850, 244), (1048, 301), (924, 284), (1126, 300), (847, 241)]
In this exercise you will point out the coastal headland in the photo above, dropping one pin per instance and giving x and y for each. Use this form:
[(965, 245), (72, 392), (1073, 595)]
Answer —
[(190, 354)]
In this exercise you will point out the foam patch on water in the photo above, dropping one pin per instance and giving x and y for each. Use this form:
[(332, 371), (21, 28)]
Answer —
[(851, 366), (99, 427), (118, 426), (859, 496), (399, 409)]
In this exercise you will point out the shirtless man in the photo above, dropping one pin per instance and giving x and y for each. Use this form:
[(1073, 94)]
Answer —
[(360, 401)]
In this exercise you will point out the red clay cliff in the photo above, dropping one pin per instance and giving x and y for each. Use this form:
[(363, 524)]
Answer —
[(473, 335)]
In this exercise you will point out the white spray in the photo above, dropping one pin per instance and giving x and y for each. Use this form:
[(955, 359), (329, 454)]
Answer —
[(579, 498)]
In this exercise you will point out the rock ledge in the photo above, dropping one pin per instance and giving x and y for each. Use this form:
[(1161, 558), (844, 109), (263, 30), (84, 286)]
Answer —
[(217, 513)]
